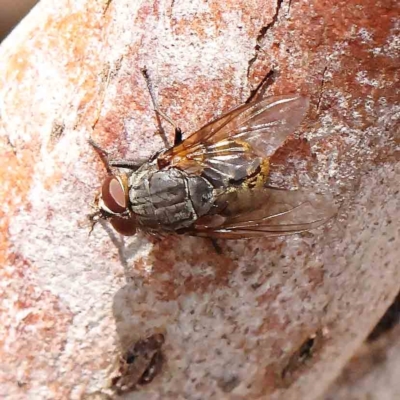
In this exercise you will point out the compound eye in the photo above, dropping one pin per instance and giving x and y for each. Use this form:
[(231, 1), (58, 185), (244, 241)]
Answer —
[(113, 195), (126, 227)]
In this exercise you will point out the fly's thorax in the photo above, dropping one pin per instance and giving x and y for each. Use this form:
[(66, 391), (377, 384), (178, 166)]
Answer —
[(201, 194), (169, 198)]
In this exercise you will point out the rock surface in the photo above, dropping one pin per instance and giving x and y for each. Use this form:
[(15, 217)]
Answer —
[(268, 318), (373, 371)]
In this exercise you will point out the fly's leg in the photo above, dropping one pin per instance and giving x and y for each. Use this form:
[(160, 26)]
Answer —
[(178, 136), (103, 96), (159, 113), (133, 165), (103, 154), (268, 80), (178, 131), (118, 163), (99, 150), (216, 246)]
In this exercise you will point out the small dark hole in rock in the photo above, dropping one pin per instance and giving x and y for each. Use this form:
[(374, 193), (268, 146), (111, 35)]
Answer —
[(139, 365), (306, 348), (300, 358), (130, 358), (255, 286), (115, 380), (228, 384)]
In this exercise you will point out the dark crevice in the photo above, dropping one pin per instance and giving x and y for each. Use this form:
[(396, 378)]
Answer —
[(289, 5), (321, 91), (139, 364), (262, 34), (389, 320), (302, 357)]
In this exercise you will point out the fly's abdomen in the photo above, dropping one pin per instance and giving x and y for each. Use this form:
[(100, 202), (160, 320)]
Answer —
[(169, 199)]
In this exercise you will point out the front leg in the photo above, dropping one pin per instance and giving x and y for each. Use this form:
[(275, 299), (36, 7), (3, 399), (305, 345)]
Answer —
[(159, 113), (178, 136), (133, 165), (118, 163), (103, 154)]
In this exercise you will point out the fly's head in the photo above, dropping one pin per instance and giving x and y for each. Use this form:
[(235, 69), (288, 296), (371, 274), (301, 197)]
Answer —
[(112, 204)]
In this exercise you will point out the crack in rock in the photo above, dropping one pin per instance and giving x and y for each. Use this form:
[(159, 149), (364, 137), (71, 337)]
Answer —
[(263, 33), (321, 90)]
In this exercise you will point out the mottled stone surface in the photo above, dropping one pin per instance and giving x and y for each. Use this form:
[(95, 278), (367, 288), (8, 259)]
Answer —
[(373, 372), (267, 318)]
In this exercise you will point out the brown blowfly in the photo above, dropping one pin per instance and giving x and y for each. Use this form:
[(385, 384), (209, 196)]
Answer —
[(215, 183)]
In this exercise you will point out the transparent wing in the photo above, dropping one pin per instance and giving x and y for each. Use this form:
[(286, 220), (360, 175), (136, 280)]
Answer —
[(233, 147), (265, 212)]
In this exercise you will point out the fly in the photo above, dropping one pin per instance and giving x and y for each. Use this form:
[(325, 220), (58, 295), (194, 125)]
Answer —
[(214, 183)]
